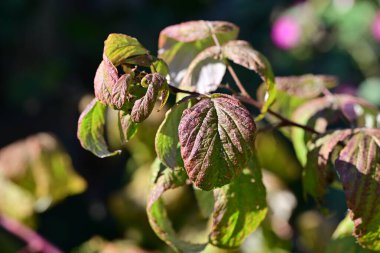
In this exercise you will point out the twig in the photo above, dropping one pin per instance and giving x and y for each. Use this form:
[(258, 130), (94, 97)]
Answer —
[(284, 121), (35, 242), (229, 67)]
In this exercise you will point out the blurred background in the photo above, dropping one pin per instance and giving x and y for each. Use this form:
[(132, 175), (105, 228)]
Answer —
[(50, 50)]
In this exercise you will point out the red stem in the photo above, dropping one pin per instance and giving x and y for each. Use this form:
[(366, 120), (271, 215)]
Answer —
[(35, 242)]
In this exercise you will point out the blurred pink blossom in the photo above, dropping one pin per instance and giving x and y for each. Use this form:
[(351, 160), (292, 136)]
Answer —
[(286, 32), (376, 27)]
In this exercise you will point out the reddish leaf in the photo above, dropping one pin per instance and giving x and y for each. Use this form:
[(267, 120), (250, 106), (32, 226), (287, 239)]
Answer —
[(217, 138)]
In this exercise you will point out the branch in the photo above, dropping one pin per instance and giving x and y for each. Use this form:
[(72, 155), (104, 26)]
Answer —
[(35, 242), (284, 121)]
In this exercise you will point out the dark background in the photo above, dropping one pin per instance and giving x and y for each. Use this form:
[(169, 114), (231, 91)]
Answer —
[(50, 50)]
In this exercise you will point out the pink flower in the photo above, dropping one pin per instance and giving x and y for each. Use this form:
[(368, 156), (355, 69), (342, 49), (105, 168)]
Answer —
[(286, 32), (376, 27)]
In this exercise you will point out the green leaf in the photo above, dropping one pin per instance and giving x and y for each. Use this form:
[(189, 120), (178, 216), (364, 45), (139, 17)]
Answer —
[(160, 66), (119, 47), (241, 52), (179, 44), (342, 240), (166, 179), (239, 209), (91, 130), (217, 139), (166, 142), (205, 72), (205, 200), (127, 127), (144, 106)]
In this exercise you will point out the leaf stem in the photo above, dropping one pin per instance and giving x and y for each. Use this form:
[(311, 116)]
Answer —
[(35, 242)]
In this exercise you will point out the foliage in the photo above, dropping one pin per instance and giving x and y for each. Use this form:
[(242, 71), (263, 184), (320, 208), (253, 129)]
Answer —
[(207, 138)]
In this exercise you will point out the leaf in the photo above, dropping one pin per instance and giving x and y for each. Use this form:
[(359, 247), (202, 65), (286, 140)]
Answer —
[(167, 179), (205, 200), (120, 91), (108, 87), (241, 52), (179, 44), (127, 127), (342, 240), (358, 166), (144, 106), (239, 209), (36, 172), (318, 173), (119, 47), (105, 78), (166, 141), (91, 130), (326, 113), (292, 91), (205, 72), (217, 139)]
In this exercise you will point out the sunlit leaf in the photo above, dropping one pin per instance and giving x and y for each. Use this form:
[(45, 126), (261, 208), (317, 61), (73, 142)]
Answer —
[(179, 44), (91, 130), (119, 47), (292, 91), (358, 166), (241, 52), (167, 142), (239, 209), (217, 139), (164, 180), (342, 240), (109, 88), (330, 112), (127, 127), (205, 72)]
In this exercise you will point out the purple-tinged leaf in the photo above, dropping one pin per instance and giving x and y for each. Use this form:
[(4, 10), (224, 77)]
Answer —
[(119, 47), (179, 44), (91, 130), (358, 166), (239, 209), (318, 172), (292, 91), (144, 106), (166, 179), (205, 72), (120, 91), (305, 86), (193, 31), (325, 112), (109, 88), (241, 52), (217, 139)]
